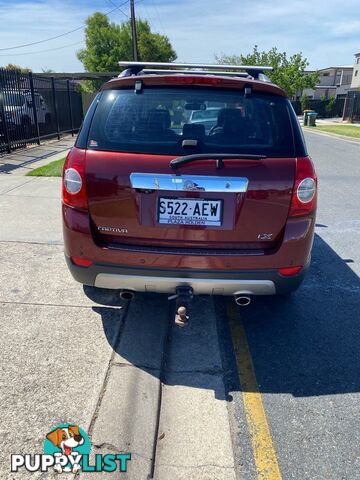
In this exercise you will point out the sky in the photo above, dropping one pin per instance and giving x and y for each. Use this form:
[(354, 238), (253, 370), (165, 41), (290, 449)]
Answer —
[(327, 32)]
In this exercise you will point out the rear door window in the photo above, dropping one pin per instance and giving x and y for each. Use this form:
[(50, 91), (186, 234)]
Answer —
[(158, 120)]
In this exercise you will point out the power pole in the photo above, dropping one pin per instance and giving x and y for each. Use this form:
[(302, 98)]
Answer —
[(133, 31)]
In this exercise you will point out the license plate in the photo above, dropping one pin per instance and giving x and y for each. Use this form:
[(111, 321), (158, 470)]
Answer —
[(189, 211)]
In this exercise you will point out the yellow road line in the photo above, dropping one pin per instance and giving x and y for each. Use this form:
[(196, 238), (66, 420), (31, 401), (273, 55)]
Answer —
[(263, 449)]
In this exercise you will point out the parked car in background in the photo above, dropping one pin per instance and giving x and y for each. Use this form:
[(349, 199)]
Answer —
[(225, 211), (19, 111), (207, 117)]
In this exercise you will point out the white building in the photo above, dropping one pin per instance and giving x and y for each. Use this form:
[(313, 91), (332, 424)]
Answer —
[(355, 82), (333, 82)]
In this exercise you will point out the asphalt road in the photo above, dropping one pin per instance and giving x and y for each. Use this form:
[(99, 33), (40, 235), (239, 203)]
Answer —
[(284, 403), (306, 352)]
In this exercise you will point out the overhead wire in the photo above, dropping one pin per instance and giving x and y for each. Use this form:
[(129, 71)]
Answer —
[(60, 35), (42, 51), (158, 16), (122, 11)]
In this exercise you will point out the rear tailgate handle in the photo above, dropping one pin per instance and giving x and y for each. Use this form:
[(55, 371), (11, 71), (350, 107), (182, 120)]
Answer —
[(188, 183)]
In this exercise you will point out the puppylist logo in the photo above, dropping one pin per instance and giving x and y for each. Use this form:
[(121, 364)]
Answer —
[(66, 450)]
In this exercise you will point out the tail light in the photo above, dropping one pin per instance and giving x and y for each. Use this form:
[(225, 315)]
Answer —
[(304, 194), (73, 187)]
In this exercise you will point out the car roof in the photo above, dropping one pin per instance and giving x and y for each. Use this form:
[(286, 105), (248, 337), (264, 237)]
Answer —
[(196, 80), (194, 74)]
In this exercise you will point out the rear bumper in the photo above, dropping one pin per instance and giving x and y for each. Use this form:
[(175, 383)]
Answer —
[(255, 282), (156, 271)]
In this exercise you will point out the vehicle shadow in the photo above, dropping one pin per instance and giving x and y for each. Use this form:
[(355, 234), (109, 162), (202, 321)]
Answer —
[(308, 344)]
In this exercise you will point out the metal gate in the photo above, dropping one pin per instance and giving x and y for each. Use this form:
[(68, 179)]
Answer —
[(33, 108), (352, 107)]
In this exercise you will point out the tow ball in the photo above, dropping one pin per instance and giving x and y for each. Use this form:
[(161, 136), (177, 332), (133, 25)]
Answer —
[(183, 296)]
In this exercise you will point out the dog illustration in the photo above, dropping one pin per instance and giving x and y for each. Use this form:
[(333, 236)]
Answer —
[(66, 438)]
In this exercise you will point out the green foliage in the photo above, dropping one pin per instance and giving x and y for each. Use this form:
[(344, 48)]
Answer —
[(352, 131), (106, 43), (53, 169), (16, 68), (304, 102), (330, 105), (288, 72), (90, 86)]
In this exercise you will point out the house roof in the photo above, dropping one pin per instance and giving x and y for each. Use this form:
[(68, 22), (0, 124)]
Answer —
[(336, 68)]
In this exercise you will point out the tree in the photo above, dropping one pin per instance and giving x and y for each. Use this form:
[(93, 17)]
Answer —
[(106, 43), (329, 108), (16, 68), (288, 72), (304, 102)]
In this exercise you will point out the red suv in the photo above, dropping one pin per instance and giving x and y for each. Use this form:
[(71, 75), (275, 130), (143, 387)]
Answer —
[(153, 201)]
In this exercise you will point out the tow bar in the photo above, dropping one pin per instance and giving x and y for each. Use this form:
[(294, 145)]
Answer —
[(183, 296)]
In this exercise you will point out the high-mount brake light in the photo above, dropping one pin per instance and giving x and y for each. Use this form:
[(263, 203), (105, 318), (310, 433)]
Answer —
[(73, 189), (303, 199)]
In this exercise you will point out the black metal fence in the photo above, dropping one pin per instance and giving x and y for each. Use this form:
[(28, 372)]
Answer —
[(33, 108), (324, 108), (352, 106)]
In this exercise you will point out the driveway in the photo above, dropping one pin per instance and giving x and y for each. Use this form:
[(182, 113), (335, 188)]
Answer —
[(283, 403)]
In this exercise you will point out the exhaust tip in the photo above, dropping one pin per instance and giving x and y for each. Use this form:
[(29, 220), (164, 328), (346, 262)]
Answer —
[(127, 295), (242, 300)]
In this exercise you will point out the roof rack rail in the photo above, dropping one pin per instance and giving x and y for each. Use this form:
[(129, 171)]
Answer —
[(134, 68), (151, 71)]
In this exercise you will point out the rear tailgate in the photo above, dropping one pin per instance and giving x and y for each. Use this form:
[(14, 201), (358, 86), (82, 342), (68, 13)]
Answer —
[(140, 133), (252, 219)]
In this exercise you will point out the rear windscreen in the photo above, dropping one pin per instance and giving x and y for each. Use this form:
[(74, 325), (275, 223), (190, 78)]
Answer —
[(177, 121)]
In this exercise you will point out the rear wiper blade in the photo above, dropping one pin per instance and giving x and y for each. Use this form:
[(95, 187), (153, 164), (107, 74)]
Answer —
[(219, 157)]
